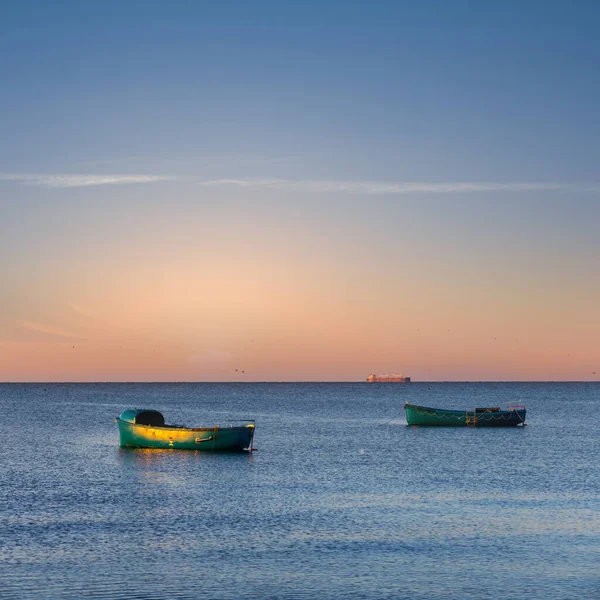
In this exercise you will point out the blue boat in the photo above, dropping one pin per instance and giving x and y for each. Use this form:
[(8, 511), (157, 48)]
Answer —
[(147, 429)]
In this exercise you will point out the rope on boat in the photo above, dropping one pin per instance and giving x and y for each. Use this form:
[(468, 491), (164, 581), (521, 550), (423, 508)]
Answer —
[(388, 422), (489, 416), (519, 415)]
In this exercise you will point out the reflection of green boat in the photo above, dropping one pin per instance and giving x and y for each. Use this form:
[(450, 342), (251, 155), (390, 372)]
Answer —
[(479, 417), (147, 429)]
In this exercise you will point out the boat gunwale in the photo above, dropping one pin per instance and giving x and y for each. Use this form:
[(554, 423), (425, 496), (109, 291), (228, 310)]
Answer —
[(184, 428), (466, 410)]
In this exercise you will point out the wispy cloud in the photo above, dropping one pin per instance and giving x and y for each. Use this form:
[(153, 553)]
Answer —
[(397, 187), (185, 163), (66, 180), (48, 330), (310, 186), (82, 312)]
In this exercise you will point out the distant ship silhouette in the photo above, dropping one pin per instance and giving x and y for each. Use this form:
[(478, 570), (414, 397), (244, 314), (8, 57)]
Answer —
[(372, 378)]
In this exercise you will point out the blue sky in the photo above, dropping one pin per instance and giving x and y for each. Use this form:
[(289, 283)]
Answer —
[(433, 90), (438, 159)]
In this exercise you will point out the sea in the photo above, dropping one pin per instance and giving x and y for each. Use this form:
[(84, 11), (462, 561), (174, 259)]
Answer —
[(341, 499)]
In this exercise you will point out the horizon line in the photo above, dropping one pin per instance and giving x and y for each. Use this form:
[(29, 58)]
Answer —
[(406, 384)]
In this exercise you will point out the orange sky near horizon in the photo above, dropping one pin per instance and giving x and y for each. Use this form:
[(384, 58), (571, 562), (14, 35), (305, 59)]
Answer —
[(289, 313)]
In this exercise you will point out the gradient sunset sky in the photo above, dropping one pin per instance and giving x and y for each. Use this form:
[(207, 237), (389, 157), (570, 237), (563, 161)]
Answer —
[(300, 191)]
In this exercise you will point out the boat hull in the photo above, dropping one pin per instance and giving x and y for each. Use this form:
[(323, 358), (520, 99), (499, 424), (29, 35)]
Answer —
[(422, 415), (213, 439)]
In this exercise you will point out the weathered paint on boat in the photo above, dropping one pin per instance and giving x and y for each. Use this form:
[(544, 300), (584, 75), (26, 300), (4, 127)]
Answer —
[(147, 429), (423, 415)]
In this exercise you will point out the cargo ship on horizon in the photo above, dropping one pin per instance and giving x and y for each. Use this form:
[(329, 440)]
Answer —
[(372, 378)]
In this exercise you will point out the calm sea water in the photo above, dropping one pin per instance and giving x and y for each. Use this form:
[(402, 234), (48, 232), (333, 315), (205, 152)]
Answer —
[(342, 500)]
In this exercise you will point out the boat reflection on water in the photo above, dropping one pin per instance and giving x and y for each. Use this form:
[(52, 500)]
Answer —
[(172, 467), (147, 457)]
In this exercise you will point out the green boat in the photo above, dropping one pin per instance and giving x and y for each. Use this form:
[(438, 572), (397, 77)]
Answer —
[(479, 417), (147, 429)]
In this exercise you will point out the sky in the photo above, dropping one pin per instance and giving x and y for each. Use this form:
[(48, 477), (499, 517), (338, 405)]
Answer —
[(272, 191)]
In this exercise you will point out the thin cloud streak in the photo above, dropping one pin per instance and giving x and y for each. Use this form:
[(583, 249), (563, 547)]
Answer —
[(49, 330), (303, 186), (399, 187), (82, 312), (66, 180)]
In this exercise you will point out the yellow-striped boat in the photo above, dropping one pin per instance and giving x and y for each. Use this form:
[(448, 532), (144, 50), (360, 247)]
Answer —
[(147, 429)]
